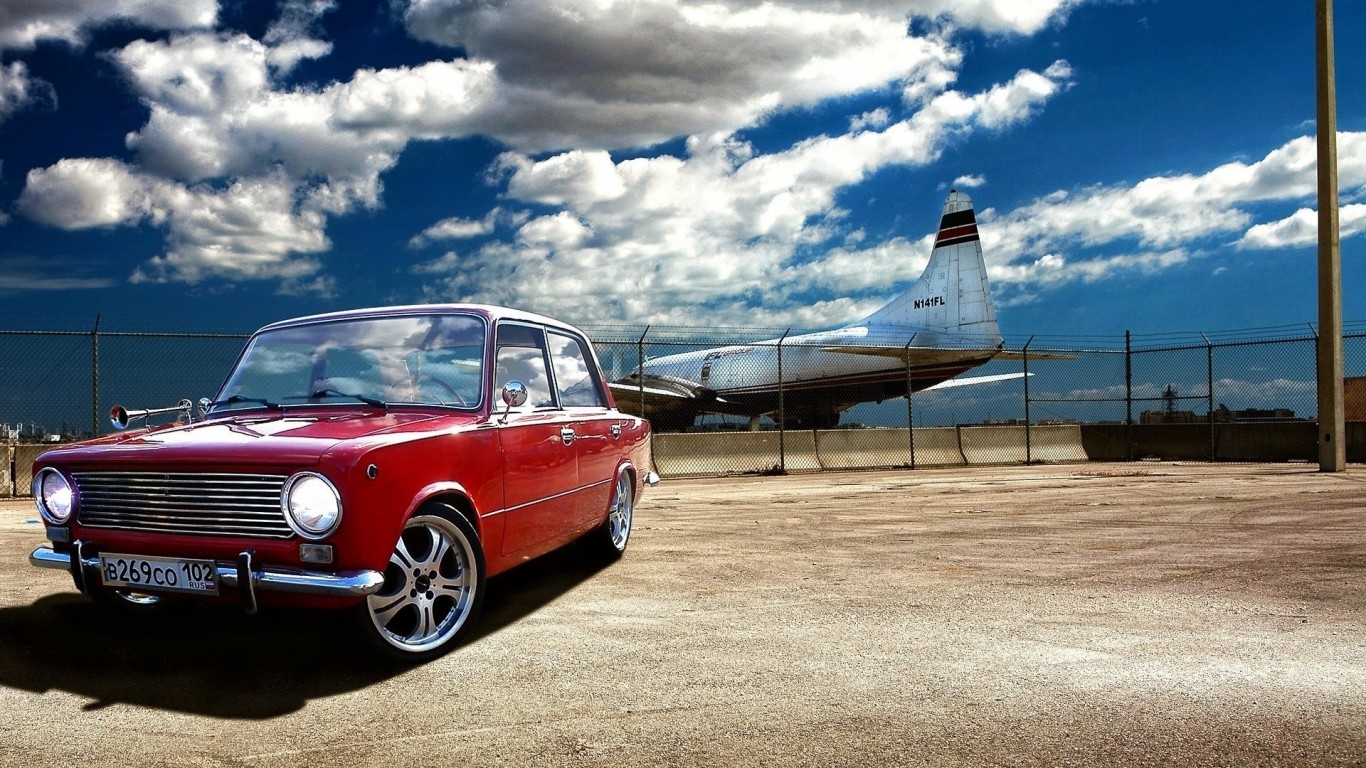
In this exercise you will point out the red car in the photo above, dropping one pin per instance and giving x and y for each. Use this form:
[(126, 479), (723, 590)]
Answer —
[(385, 462)]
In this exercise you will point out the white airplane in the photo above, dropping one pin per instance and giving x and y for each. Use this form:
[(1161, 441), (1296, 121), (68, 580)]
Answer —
[(942, 327)]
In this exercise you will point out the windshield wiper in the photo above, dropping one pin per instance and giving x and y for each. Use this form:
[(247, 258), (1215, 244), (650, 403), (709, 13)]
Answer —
[(318, 394), (244, 399)]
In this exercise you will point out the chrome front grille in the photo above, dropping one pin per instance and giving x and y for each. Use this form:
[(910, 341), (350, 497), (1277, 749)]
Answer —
[(215, 504)]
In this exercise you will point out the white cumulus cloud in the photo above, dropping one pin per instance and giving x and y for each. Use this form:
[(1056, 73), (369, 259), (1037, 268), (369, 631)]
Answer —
[(1301, 228), (592, 75), (20, 90), (718, 228), (24, 23), (242, 168), (1167, 217)]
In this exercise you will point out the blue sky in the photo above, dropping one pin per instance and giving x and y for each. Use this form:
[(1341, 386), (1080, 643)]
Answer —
[(216, 166)]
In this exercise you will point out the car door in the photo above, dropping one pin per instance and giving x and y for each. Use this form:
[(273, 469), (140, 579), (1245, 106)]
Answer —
[(597, 429), (540, 477)]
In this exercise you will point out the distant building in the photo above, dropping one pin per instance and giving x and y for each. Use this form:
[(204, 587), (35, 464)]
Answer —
[(1224, 415), (1169, 417)]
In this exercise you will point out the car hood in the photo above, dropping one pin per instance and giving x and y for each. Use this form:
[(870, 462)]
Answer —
[(293, 438)]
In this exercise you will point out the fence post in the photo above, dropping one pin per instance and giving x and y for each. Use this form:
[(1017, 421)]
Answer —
[(1029, 445), (1128, 397), (782, 409), (95, 379), (1209, 397), (910, 407), (640, 368)]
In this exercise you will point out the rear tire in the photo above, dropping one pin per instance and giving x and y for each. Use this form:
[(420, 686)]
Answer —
[(433, 588), (615, 532)]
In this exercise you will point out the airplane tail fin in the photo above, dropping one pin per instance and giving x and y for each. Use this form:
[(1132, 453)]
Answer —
[(951, 299)]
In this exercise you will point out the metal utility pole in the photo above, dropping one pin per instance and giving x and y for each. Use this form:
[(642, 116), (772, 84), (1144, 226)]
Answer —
[(1332, 420)]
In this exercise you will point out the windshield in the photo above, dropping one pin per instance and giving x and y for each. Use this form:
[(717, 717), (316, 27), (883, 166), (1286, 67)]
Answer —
[(409, 360)]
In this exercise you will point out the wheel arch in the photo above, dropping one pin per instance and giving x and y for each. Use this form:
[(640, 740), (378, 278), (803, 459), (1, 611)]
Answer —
[(628, 468), (452, 495)]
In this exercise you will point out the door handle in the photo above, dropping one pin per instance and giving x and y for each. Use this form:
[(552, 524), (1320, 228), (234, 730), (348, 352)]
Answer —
[(567, 435), (616, 431)]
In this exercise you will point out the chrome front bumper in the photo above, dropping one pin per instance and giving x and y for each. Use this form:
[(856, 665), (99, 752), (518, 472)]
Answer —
[(242, 575)]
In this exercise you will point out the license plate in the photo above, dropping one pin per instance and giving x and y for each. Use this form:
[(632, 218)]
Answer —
[(159, 574)]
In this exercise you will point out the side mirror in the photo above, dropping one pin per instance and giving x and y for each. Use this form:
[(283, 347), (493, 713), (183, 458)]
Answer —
[(204, 405), (514, 394)]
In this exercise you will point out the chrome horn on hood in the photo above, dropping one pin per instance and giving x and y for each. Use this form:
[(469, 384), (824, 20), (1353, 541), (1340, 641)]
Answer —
[(121, 417)]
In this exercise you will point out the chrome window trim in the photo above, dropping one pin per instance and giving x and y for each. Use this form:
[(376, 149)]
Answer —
[(486, 376)]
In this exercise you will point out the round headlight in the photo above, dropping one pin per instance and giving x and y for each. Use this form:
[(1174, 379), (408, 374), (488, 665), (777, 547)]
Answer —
[(54, 495), (311, 504)]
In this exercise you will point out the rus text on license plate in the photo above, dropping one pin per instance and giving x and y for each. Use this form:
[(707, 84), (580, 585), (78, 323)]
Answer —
[(163, 574)]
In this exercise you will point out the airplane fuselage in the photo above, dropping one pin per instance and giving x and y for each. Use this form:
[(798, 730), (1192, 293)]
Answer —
[(810, 382), (940, 327)]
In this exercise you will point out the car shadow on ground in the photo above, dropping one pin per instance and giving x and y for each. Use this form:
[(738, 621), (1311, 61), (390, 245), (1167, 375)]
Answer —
[(222, 663)]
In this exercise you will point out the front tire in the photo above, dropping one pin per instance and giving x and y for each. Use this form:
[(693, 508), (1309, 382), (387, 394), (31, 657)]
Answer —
[(433, 588)]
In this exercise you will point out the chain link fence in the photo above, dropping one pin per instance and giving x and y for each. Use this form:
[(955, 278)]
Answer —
[(790, 404)]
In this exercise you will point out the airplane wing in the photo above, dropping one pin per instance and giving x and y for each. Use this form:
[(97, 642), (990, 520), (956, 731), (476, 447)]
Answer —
[(658, 396), (663, 388), (971, 380), (1015, 354)]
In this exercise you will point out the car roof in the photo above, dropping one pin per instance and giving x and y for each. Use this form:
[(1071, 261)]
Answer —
[(489, 311)]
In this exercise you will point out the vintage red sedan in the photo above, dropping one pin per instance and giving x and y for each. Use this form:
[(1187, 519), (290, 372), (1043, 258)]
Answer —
[(385, 462)]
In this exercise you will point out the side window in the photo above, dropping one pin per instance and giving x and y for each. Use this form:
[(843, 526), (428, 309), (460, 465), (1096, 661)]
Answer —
[(574, 377), (521, 357)]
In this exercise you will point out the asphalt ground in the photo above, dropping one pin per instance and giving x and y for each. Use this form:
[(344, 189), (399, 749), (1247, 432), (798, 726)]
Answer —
[(1087, 615)]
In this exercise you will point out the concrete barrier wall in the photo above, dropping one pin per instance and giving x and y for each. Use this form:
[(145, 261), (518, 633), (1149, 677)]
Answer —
[(681, 455), (1104, 442), (1264, 442), (863, 448), (993, 445), (799, 452), (722, 453), (938, 447), (1176, 442), (727, 453), (23, 466), (1288, 441), (1059, 443), (6, 479)]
